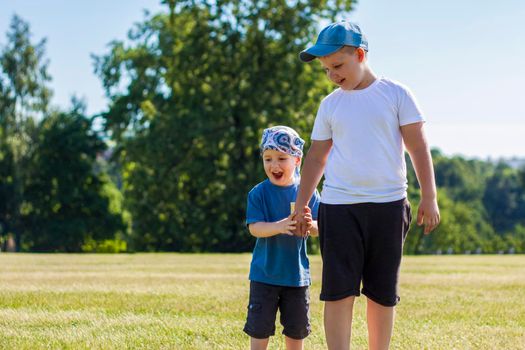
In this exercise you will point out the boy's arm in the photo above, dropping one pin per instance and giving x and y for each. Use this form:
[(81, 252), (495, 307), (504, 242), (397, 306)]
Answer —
[(417, 147), (267, 229), (311, 174)]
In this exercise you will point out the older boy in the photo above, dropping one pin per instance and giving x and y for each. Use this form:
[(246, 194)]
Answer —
[(279, 272), (357, 141)]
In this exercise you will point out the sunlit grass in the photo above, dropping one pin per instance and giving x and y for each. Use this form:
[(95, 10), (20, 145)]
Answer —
[(179, 301)]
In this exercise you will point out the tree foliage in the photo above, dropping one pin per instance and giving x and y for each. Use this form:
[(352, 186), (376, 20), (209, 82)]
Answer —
[(24, 95), (68, 202), (52, 199), (504, 198), (190, 96), (482, 207)]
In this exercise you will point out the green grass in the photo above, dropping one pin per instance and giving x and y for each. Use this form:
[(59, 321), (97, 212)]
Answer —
[(178, 301)]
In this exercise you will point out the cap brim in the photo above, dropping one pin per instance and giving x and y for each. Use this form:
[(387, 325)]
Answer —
[(318, 50)]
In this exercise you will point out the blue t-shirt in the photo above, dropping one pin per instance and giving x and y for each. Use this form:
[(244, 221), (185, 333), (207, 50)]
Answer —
[(281, 259)]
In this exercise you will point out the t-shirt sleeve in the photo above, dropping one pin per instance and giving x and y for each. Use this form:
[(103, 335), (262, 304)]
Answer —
[(314, 204), (409, 111), (254, 207), (322, 130)]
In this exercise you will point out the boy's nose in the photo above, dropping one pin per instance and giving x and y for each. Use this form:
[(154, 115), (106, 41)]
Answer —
[(334, 76)]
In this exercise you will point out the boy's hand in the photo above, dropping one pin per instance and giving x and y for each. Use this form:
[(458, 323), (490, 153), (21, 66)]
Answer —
[(304, 222), (428, 214), (308, 218), (287, 226)]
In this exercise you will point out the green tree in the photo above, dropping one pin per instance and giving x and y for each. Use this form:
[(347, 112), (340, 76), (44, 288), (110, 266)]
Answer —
[(504, 198), (465, 179), (190, 95), (462, 228), (24, 96), (516, 239), (465, 224), (68, 202)]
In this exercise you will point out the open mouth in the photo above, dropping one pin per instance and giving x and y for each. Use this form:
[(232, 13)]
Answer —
[(340, 82), (278, 175)]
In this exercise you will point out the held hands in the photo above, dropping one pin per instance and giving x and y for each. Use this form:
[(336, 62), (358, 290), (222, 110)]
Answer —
[(428, 214), (307, 215), (303, 222)]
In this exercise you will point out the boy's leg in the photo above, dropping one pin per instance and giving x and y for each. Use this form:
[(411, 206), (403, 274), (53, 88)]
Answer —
[(294, 344), (342, 250), (380, 321), (262, 310), (294, 304), (258, 344), (338, 323), (387, 225)]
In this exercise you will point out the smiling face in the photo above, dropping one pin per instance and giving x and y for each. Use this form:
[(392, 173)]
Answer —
[(345, 67), (280, 167)]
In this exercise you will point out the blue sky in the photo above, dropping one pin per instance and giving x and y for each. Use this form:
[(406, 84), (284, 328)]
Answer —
[(463, 59)]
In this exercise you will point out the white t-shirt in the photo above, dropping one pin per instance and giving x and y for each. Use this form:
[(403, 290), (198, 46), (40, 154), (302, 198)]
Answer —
[(366, 162)]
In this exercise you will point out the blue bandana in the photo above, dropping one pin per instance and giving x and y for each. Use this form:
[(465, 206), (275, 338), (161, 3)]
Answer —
[(283, 139)]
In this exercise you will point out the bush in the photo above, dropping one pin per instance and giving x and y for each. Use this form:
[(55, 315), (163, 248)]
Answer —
[(105, 246)]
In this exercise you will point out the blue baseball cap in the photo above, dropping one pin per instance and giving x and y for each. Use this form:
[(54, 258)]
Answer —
[(332, 38)]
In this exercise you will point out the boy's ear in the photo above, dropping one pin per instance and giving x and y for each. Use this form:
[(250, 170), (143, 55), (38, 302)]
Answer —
[(297, 161), (361, 54)]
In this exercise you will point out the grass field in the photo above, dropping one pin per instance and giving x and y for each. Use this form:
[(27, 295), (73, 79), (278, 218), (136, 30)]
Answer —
[(177, 301)]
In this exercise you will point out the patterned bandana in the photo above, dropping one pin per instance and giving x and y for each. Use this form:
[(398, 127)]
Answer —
[(283, 139)]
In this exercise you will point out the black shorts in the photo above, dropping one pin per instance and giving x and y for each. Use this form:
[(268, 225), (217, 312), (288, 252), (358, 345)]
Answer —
[(362, 243), (292, 302)]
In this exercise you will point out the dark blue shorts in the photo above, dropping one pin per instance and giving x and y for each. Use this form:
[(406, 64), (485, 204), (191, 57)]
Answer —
[(363, 243), (292, 302)]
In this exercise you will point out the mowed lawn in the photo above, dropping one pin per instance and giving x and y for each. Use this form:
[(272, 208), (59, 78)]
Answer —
[(181, 301)]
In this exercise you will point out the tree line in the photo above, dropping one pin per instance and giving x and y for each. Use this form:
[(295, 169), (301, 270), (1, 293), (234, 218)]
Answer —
[(168, 164)]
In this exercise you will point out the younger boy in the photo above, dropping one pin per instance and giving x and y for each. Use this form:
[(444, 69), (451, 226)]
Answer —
[(357, 141), (279, 272)]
